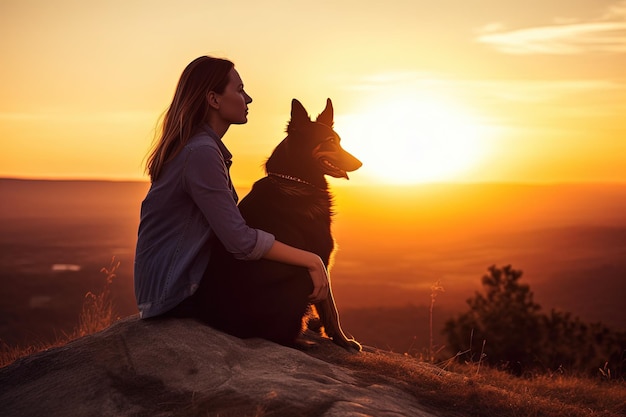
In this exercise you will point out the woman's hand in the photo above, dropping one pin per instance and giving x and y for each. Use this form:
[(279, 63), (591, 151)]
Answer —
[(317, 270), (319, 276)]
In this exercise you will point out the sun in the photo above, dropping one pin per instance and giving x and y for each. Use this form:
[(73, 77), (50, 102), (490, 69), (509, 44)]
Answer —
[(406, 140)]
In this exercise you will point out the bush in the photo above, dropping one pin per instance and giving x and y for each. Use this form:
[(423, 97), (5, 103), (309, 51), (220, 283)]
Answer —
[(519, 338)]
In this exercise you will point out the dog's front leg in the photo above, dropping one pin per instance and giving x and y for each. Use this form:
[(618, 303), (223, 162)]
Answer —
[(329, 317)]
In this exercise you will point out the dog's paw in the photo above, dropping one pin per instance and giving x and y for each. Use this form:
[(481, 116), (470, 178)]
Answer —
[(348, 344), (315, 324)]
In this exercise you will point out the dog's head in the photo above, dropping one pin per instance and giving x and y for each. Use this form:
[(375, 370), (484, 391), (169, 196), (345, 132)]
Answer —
[(311, 149)]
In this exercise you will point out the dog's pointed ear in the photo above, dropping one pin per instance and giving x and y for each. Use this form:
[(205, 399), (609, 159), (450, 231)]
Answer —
[(299, 116), (326, 117)]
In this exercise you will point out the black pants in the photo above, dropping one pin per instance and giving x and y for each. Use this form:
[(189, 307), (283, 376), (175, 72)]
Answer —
[(251, 299)]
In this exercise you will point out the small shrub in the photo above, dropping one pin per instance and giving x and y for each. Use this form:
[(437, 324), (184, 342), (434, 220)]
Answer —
[(97, 314), (522, 340)]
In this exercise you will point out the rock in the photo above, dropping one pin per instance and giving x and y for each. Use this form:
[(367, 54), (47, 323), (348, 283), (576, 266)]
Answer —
[(184, 368)]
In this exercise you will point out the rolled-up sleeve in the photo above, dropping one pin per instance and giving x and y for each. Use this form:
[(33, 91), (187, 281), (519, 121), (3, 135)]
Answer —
[(264, 242), (206, 180)]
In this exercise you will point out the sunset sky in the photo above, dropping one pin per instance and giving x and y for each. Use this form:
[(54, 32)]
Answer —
[(484, 90)]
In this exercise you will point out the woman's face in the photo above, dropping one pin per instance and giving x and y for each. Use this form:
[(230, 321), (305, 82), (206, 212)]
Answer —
[(233, 102)]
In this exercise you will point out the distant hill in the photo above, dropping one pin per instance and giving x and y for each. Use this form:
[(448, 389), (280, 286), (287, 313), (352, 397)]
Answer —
[(393, 244)]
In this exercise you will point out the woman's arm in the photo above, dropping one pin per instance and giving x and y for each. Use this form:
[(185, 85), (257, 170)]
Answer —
[(281, 252), (207, 182)]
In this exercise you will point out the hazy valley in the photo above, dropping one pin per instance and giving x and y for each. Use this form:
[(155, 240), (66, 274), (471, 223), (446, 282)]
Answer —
[(393, 244)]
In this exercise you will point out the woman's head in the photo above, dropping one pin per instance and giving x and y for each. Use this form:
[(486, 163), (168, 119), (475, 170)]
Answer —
[(202, 75), (204, 80), (229, 106)]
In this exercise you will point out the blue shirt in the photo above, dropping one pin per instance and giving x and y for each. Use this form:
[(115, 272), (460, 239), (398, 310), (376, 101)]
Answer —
[(191, 202)]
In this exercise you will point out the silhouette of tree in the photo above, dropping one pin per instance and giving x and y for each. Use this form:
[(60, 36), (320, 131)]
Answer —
[(572, 344), (518, 338), (505, 317)]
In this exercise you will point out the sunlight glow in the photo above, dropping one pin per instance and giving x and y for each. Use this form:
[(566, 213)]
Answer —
[(405, 140)]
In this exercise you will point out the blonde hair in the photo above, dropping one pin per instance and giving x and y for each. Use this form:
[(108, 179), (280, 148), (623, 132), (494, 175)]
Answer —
[(188, 110)]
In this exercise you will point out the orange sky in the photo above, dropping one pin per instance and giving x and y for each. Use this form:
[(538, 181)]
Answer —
[(488, 90)]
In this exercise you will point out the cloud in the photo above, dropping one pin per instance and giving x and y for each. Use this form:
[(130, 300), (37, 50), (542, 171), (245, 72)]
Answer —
[(69, 116), (514, 90), (539, 91), (617, 10), (386, 80), (564, 37)]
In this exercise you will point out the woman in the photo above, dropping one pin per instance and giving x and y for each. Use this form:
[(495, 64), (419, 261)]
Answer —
[(192, 200)]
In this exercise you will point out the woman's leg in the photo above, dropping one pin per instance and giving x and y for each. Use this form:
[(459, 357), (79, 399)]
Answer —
[(183, 310), (254, 299)]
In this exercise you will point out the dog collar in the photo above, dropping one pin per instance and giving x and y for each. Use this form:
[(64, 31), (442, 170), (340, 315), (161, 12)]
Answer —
[(290, 178)]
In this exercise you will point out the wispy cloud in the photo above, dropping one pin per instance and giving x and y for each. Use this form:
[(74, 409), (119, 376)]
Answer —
[(510, 90), (539, 91), (384, 81), (68, 116), (606, 33)]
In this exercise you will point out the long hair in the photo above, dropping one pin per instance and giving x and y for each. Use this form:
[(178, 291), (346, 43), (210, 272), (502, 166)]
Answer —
[(188, 110)]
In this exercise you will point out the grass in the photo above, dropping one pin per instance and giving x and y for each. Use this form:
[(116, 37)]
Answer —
[(462, 391), (97, 314), (435, 289)]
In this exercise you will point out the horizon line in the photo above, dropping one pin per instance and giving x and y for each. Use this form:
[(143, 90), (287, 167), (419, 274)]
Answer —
[(373, 184)]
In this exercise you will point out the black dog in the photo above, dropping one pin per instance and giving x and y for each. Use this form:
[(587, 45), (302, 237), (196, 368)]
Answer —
[(269, 299)]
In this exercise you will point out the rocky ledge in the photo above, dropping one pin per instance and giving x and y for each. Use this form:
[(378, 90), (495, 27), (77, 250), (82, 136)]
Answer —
[(183, 368)]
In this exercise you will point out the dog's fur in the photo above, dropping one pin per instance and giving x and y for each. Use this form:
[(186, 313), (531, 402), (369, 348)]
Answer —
[(292, 202)]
